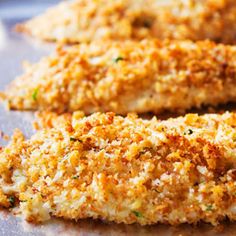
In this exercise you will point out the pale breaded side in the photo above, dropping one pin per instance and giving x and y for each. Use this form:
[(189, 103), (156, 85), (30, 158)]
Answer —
[(87, 20), (146, 76), (124, 169)]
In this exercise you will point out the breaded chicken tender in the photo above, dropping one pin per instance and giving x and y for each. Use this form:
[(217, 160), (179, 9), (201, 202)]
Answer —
[(147, 76), (87, 20), (130, 170)]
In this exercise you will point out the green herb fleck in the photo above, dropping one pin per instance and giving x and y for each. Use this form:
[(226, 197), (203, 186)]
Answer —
[(12, 201), (137, 213), (189, 132), (116, 60), (209, 208), (23, 200), (75, 177), (75, 140), (35, 94)]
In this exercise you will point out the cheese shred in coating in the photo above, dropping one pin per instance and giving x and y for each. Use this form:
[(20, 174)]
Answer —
[(88, 20), (124, 169), (146, 76)]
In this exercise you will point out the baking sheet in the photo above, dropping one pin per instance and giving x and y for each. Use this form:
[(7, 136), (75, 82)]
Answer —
[(14, 49)]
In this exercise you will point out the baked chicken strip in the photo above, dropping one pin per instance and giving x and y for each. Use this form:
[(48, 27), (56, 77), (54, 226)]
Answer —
[(87, 20), (124, 169), (146, 76)]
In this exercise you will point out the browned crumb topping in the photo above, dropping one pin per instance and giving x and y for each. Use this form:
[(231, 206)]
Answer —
[(124, 169), (146, 76), (88, 20)]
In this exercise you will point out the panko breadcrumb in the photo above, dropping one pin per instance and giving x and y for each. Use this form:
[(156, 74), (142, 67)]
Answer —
[(146, 76), (87, 20), (130, 170)]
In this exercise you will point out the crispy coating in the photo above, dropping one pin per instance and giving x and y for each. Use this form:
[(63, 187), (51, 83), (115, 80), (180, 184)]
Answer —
[(124, 169), (146, 76), (87, 20)]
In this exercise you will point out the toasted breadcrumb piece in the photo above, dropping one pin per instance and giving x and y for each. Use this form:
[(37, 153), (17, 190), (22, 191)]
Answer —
[(88, 20), (182, 170), (146, 76)]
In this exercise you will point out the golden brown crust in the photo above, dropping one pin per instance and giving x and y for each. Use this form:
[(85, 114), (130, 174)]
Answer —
[(125, 169), (146, 76), (88, 20)]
